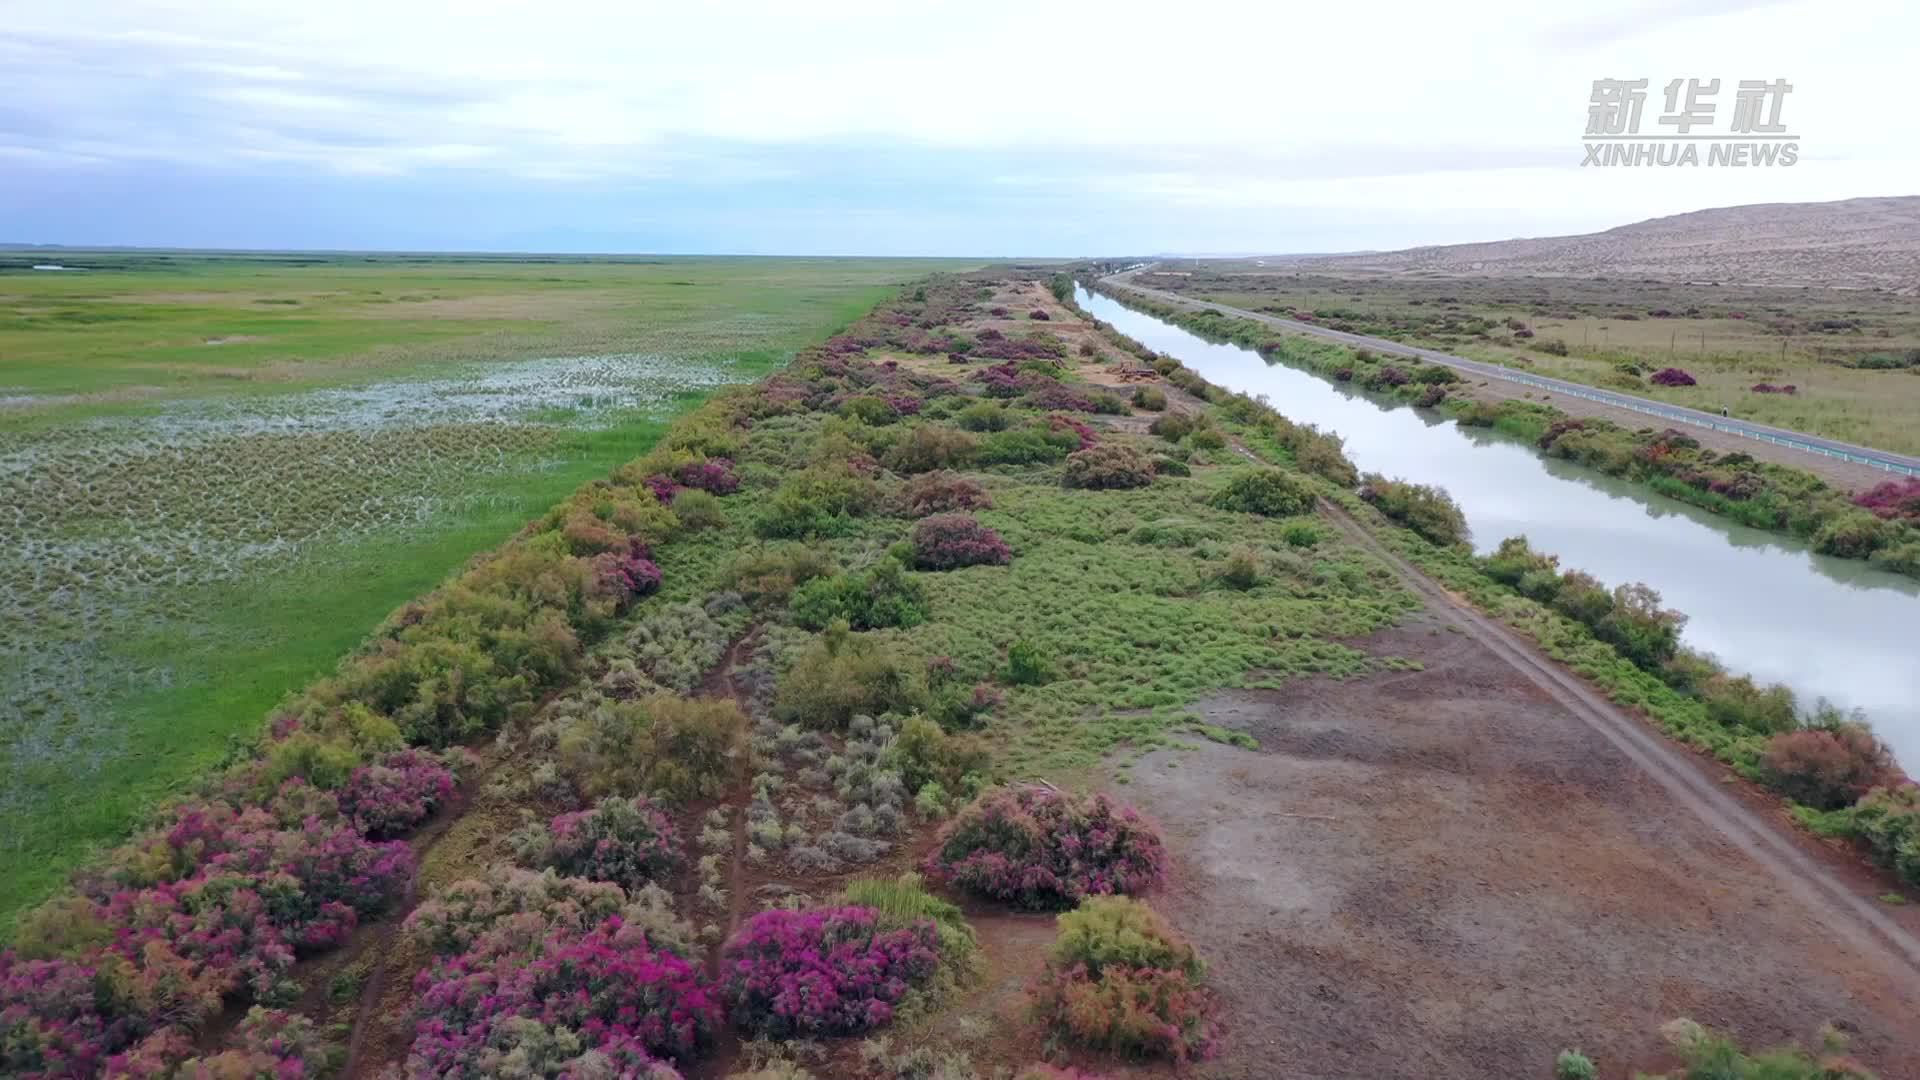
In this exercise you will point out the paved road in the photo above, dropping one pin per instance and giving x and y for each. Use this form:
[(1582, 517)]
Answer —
[(1880, 459)]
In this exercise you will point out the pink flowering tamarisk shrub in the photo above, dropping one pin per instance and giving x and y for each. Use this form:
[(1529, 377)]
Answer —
[(1081, 431), (713, 475), (1893, 499), (951, 541), (626, 841), (662, 487), (627, 575), (1043, 849), (559, 998), (1672, 376), (396, 793), (825, 971), (65, 1017)]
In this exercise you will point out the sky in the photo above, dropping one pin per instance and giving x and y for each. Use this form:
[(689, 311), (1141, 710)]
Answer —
[(979, 129)]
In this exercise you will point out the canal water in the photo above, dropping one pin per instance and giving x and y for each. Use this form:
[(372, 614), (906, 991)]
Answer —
[(1763, 604)]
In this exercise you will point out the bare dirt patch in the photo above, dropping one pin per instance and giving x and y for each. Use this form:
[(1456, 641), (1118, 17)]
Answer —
[(1446, 873)]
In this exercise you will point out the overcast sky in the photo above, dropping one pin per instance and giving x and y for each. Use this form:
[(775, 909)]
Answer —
[(892, 128)]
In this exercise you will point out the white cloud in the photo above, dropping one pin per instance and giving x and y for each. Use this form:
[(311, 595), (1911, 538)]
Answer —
[(1425, 110)]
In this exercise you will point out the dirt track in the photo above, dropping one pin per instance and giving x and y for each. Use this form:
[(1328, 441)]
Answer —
[(1463, 870)]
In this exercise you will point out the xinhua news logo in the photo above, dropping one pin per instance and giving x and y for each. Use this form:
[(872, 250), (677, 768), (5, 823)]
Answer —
[(1685, 132)]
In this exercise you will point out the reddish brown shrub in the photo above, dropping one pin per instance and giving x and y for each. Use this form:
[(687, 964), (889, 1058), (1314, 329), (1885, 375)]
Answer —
[(1827, 768), (943, 492)]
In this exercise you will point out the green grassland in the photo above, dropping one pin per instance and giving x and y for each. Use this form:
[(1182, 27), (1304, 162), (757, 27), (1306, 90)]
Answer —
[(1853, 356), (219, 473)]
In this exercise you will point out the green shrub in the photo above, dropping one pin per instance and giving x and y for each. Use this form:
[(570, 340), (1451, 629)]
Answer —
[(984, 416), (928, 447), (1574, 1065), (818, 501), (1268, 492), (1207, 439), (1150, 398), (1167, 466), (869, 410), (1889, 821), (773, 571), (1300, 534), (1172, 426), (699, 510), (1738, 703), (1427, 510), (324, 763), (1022, 446), (1027, 664), (663, 745), (1242, 569), (839, 676), (923, 753), (1107, 466), (1710, 1056), (1121, 932), (882, 596), (1853, 535)]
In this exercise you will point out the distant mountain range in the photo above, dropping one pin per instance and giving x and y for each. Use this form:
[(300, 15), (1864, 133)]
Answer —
[(1854, 243)]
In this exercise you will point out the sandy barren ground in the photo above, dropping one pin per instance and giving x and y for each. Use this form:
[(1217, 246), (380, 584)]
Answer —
[(1445, 873)]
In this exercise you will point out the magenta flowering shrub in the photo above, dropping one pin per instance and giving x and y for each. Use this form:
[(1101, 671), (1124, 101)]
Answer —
[(393, 795), (62, 1018), (1000, 381), (248, 894), (627, 575), (903, 404), (559, 997), (1893, 499), (714, 475), (237, 921), (1672, 376), (662, 487), (1044, 849), (1038, 315), (1079, 428), (625, 841), (950, 541), (825, 971), (218, 925)]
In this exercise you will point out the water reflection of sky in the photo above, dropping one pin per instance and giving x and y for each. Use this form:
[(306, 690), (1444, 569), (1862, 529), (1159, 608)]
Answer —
[(1764, 604)]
